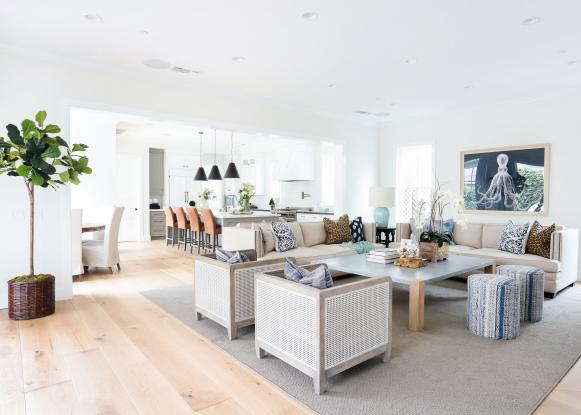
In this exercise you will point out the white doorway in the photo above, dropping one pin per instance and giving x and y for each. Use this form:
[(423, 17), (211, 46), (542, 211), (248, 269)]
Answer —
[(130, 195)]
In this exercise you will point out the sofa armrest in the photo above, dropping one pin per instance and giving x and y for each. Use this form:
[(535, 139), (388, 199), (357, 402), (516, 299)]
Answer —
[(369, 231), (402, 231), (565, 249), (237, 239)]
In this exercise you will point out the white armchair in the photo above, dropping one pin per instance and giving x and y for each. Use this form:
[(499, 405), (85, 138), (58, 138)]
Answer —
[(105, 253)]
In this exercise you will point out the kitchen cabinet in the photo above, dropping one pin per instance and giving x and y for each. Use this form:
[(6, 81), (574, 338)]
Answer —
[(182, 187), (156, 224), (295, 163), (156, 176)]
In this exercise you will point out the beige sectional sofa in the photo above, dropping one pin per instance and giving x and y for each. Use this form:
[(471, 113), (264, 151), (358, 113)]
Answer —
[(311, 237), (481, 240)]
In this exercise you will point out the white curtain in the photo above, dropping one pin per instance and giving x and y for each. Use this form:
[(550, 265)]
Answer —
[(414, 178)]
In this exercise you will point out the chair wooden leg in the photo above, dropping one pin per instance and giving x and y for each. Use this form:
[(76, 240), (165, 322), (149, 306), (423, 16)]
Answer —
[(119, 267)]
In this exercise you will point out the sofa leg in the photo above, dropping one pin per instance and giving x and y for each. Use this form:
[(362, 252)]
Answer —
[(199, 316), (572, 285), (320, 383), (260, 354), (549, 295), (232, 333)]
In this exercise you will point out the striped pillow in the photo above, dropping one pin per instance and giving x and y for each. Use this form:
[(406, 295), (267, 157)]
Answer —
[(319, 278), (231, 257)]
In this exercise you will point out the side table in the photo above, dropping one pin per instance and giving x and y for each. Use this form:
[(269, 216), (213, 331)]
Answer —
[(389, 235)]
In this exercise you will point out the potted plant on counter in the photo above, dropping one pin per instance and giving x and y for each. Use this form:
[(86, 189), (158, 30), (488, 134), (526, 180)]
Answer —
[(246, 193), (204, 196), (37, 155)]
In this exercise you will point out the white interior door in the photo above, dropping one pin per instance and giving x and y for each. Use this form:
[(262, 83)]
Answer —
[(130, 196)]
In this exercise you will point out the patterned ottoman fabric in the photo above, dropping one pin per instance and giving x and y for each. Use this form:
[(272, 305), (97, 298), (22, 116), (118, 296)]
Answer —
[(532, 287), (493, 306)]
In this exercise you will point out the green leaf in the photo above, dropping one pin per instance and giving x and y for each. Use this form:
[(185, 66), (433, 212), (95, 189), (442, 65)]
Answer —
[(36, 178), (74, 177), (28, 128), (52, 129), (23, 170), (82, 162), (51, 152), (79, 147), (14, 134), (87, 170), (40, 117), (64, 176), (62, 142)]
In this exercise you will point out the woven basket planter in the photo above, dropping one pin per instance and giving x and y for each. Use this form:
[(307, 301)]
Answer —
[(30, 299)]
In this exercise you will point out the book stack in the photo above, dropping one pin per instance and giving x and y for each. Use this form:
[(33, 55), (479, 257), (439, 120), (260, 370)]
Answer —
[(383, 256)]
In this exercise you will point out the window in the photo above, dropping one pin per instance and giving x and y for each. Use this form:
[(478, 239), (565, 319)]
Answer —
[(414, 175), (328, 174)]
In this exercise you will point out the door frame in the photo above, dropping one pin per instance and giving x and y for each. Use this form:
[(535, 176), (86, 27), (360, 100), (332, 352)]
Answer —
[(140, 198)]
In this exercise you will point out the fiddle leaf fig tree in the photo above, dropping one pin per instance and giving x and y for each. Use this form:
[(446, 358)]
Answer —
[(37, 154)]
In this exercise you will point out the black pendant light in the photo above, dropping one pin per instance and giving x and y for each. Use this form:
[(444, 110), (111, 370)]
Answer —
[(215, 171), (201, 173), (231, 170)]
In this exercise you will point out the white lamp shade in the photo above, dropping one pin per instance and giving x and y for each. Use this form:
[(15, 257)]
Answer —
[(382, 196)]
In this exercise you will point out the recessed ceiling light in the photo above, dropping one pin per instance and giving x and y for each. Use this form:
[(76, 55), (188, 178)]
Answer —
[(381, 114), (331, 86), (468, 86), (411, 61), (156, 64), (362, 112), (239, 59), (144, 32), (562, 51), (310, 16), (574, 62), (531, 21), (393, 104), (93, 17)]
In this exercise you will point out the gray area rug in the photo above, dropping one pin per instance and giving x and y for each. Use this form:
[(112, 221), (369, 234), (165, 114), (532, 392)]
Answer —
[(443, 370)]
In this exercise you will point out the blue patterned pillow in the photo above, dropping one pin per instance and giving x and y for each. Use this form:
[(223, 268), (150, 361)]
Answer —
[(514, 238), (448, 226), (284, 238), (319, 278), (231, 257), (356, 228)]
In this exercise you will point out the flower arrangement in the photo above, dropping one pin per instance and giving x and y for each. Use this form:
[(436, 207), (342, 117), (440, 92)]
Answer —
[(205, 193), (246, 193)]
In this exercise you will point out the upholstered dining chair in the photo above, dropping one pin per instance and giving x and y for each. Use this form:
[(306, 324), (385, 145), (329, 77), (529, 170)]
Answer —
[(77, 242), (171, 225), (211, 229), (105, 253), (183, 227), (196, 229)]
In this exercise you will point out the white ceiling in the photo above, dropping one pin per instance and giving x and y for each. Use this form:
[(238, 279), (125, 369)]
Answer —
[(358, 46)]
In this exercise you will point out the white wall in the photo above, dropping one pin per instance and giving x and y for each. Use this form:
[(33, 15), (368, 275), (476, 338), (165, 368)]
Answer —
[(555, 120), (30, 83)]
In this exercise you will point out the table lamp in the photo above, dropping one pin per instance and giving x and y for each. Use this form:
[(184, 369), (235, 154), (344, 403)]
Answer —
[(381, 198)]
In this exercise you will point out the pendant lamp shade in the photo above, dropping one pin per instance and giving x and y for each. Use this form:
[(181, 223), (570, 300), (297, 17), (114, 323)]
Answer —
[(231, 170), (215, 171), (201, 173)]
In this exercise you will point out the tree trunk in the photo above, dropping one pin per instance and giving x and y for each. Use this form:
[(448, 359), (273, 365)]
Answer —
[(30, 187)]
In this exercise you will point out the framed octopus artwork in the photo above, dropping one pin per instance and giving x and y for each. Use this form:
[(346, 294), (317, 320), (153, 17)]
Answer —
[(503, 180)]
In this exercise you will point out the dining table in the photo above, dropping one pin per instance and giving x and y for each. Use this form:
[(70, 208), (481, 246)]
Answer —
[(92, 227)]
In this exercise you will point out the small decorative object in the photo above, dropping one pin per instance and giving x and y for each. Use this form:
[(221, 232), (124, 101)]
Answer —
[(520, 183), (246, 193), (192, 203), (204, 196), (381, 198), (38, 155), (408, 249), (410, 262), (271, 203)]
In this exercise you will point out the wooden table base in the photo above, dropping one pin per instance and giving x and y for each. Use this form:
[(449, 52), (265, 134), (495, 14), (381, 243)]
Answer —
[(416, 312)]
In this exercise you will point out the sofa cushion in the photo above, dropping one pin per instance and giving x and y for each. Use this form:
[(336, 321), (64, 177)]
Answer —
[(267, 236), (300, 252), (295, 228), (491, 234), (334, 250), (459, 249), (468, 234), (337, 230), (313, 233), (507, 258)]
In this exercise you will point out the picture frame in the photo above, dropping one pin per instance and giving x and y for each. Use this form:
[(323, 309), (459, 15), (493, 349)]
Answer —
[(506, 180)]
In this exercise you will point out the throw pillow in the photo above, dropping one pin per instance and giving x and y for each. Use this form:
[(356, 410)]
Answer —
[(283, 236), (514, 238), (231, 257), (356, 228), (337, 231), (539, 242), (267, 237), (448, 226), (319, 278)]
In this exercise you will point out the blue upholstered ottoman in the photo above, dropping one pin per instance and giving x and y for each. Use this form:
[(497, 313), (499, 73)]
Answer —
[(493, 306), (532, 288)]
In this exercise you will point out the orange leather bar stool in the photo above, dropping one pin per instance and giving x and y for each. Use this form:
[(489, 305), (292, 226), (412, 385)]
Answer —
[(196, 229), (183, 227), (211, 229), (171, 224)]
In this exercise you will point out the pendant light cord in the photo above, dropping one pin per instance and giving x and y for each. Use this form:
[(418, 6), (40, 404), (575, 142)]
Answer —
[(201, 133), (214, 147), (232, 146)]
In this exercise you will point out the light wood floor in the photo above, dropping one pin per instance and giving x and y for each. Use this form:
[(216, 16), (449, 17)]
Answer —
[(111, 351)]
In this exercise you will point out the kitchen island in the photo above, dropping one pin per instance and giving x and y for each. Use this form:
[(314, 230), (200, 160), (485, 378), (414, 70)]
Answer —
[(230, 219)]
